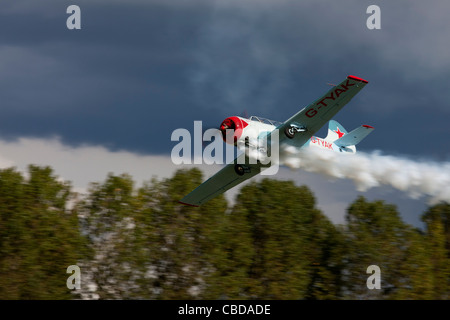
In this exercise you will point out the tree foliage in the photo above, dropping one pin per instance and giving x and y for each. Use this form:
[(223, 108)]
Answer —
[(39, 237), (272, 243)]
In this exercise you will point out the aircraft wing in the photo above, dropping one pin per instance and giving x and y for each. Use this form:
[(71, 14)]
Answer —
[(313, 117), (225, 179)]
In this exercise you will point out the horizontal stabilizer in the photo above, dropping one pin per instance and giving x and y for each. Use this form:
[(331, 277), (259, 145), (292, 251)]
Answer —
[(354, 137)]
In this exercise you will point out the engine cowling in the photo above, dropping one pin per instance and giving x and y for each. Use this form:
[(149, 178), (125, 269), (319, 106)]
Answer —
[(232, 129)]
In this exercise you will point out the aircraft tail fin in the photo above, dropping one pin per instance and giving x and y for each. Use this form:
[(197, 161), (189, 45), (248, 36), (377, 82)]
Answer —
[(335, 131), (354, 137)]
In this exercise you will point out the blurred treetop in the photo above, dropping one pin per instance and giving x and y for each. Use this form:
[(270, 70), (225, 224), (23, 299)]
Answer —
[(273, 243)]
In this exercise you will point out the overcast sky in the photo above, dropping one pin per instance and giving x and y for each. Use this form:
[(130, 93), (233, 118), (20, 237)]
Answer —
[(139, 69)]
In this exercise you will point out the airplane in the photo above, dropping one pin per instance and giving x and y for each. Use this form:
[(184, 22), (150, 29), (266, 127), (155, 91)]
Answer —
[(297, 131)]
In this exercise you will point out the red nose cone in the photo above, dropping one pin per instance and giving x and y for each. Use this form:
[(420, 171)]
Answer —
[(227, 124), (232, 129)]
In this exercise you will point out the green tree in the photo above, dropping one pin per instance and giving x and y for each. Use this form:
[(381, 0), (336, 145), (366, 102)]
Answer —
[(437, 219), (39, 236), (274, 245), (326, 251), (186, 244), (107, 217), (149, 246), (376, 235)]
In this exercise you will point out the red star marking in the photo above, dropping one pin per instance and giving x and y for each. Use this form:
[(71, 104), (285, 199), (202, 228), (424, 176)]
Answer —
[(339, 133)]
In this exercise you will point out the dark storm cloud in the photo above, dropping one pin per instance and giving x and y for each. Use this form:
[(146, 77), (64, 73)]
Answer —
[(139, 69), (120, 81)]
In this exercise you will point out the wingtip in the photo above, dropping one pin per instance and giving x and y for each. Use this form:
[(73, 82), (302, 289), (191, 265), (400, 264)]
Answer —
[(188, 204), (367, 126), (357, 79)]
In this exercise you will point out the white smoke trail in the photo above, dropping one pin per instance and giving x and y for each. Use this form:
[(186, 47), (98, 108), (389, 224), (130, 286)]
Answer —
[(368, 170)]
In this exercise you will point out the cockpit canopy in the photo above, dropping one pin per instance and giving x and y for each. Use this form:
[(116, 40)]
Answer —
[(266, 121)]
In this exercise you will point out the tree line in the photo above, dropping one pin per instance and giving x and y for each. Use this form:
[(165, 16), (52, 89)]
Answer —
[(273, 243)]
